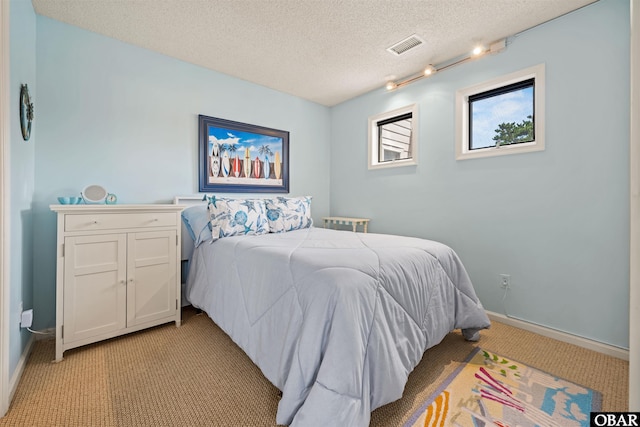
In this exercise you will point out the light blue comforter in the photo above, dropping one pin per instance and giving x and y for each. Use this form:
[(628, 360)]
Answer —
[(336, 320)]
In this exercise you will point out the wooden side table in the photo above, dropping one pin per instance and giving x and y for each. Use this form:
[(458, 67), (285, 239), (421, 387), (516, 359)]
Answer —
[(341, 220)]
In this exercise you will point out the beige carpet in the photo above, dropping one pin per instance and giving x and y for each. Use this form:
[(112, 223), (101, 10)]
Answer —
[(196, 376)]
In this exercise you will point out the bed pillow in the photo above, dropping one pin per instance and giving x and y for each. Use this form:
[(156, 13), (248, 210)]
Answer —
[(289, 213), (196, 221), (233, 217)]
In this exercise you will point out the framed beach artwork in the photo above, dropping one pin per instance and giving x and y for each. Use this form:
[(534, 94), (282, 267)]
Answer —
[(238, 157)]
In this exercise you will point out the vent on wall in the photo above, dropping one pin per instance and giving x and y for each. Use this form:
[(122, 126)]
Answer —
[(405, 45)]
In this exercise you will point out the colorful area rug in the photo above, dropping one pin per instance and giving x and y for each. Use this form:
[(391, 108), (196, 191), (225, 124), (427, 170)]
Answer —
[(490, 390)]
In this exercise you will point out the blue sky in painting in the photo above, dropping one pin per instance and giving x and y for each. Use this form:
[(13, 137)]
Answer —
[(243, 140), (489, 113)]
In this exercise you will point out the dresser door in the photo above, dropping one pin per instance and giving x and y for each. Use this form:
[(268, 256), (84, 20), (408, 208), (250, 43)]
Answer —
[(151, 276), (94, 286)]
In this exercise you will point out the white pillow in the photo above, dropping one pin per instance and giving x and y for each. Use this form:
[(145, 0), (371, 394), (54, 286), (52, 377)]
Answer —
[(233, 217), (289, 213)]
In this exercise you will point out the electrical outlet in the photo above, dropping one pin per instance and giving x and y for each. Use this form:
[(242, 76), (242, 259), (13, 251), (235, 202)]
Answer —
[(26, 319), (505, 281)]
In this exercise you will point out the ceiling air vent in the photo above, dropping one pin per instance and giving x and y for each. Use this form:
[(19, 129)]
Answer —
[(405, 45)]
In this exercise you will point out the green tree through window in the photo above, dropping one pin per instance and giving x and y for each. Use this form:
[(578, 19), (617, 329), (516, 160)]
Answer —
[(514, 133)]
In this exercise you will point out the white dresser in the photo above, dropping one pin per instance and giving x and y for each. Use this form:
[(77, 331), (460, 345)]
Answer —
[(117, 270)]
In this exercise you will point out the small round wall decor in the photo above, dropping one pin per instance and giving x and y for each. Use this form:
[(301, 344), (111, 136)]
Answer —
[(26, 112)]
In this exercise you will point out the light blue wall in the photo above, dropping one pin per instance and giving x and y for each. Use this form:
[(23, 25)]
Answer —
[(21, 178), (127, 118), (557, 221)]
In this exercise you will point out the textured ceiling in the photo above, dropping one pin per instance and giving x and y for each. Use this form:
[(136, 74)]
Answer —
[(326, 51)]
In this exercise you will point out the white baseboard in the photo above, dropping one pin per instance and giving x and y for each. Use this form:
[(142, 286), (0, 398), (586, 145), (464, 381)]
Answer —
[(610, 350), (17, 374)]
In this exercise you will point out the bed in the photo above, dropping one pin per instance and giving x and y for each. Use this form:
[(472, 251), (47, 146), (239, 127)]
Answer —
[(334, 319)]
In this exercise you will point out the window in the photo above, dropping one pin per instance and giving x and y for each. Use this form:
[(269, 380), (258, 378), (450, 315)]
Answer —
[(491, 125), (392, 137), (503, 116)]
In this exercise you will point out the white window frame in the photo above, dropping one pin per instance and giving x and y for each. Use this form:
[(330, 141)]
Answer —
[(373, 142), (462, 115)]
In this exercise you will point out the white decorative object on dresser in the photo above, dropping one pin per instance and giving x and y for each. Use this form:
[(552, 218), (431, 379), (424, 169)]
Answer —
[(117, 270)]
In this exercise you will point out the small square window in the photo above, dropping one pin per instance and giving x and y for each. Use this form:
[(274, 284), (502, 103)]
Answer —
[(392, 137), (504, 116)]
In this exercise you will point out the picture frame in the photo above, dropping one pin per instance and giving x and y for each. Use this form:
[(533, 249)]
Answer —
[(241, 158)]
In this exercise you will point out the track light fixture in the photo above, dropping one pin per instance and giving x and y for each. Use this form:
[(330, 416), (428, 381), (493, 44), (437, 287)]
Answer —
[(391, 86), (478, 50), (430, 69)]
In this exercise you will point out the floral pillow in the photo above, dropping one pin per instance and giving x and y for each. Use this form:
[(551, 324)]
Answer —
[(233, 217), (289, 213)]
